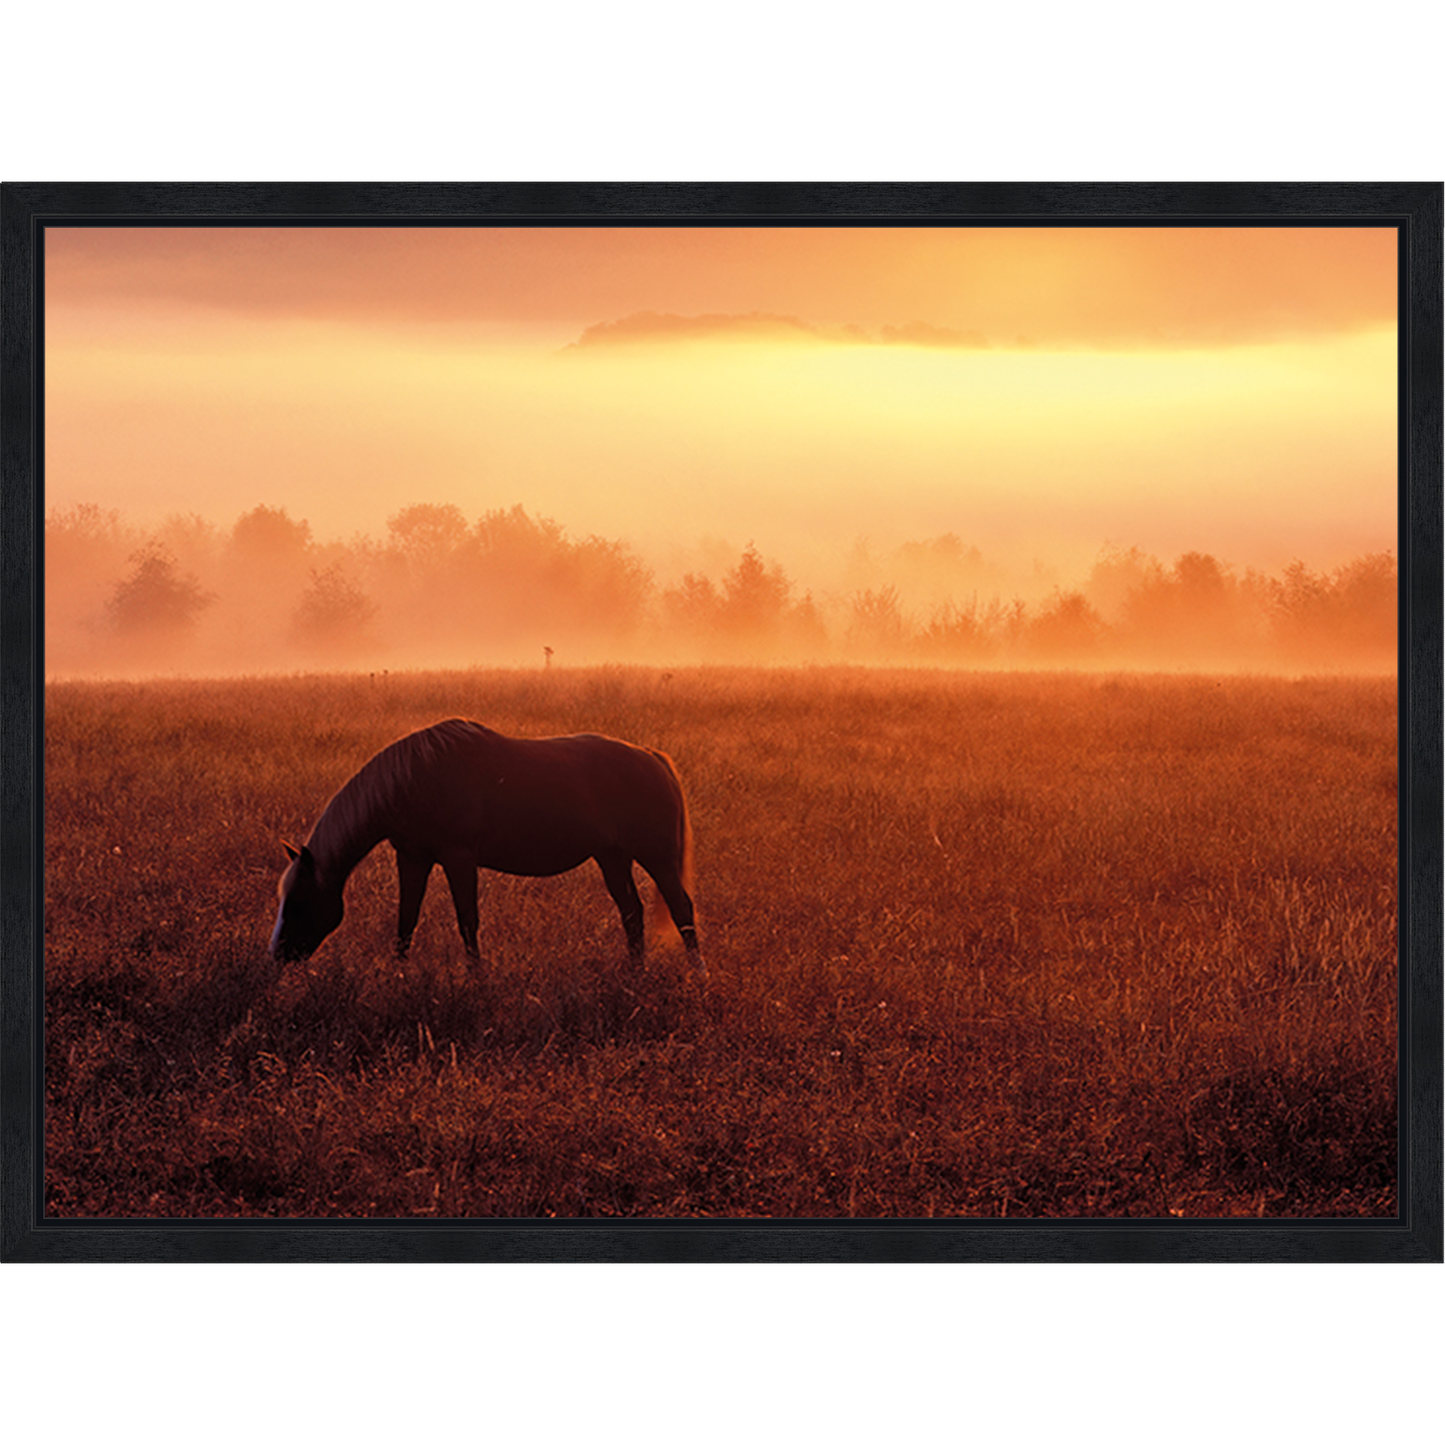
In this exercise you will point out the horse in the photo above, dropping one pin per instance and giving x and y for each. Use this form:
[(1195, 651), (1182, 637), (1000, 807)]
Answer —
[(463, 796)]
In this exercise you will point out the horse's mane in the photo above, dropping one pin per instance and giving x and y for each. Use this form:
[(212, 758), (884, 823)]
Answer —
[(349, 819)]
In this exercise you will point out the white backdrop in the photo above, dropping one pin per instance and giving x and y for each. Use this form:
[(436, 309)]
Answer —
[(283, 90)]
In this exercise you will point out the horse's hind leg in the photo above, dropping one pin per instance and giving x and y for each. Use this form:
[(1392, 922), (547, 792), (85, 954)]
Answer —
[(617, 874), (679, 904)]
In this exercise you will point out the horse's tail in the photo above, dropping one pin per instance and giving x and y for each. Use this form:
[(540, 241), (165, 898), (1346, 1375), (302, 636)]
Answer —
[(660, 925)]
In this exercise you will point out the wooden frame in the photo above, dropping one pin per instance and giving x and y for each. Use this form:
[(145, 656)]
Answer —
[(1416, 1235)]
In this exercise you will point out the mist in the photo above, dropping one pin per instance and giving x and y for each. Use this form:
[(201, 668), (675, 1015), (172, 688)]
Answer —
[(836, 404), (1258, 454), (439, 587)]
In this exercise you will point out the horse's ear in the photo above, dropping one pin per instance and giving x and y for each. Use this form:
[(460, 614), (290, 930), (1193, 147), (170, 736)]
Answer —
[(292, 853)]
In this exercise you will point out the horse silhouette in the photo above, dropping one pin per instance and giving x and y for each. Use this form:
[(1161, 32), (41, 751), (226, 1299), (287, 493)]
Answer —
[(463, 796)]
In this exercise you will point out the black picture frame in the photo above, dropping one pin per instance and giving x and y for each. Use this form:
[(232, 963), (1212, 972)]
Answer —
[(1415, 1235)]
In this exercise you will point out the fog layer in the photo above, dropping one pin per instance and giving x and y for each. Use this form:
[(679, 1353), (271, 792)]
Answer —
[(441, 588)]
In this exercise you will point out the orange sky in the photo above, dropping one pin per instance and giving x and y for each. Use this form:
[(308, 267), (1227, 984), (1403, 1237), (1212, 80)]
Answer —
[(1037, 391)]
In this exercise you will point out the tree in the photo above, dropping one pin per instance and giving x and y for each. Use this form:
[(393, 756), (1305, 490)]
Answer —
[(933, 571), (805, 633), (876, 628), (1068, 627), (82, 527), (157, 599), (1190, 611), (85, 550), (754, 597), (605, 589), (1117, 573), (333, 613), (1369, 604), (1200, 579), (749, 614), (693, 605), (266, 538), (427, 532), (955, 633), (1349, 613)]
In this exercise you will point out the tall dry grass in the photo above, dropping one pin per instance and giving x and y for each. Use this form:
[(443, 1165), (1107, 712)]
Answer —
[(978, 945)]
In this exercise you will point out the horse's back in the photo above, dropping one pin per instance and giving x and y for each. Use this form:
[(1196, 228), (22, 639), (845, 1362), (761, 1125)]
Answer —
[(540, 805), (631, 794)]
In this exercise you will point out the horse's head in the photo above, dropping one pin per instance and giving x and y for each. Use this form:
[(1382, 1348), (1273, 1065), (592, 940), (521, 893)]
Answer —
[(308, 910)]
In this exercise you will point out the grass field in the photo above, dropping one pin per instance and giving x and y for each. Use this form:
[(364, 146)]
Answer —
[(979, 944)]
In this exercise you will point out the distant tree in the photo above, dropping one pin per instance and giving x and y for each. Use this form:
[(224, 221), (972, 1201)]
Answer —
[(955, 634), (427, 533), (1200, 578), (524, 577), (1190, 611), (517, 567), (1368, 590), (157, 599), (515, 534), (84, 546), (82, 524), (1067, 628), (1118, 572), (1302, 607), (333, 613), (191, 539), (426, 575), (947, 552), (749, 614), (1348, 614), (754, 598), (876, 628), (85, 551), (1007, 622), (805, 633), (692, 606), (266, 537), (604, 588), (933, 571)]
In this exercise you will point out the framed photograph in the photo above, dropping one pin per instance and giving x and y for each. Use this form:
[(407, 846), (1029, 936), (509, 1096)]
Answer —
[(722, 722)]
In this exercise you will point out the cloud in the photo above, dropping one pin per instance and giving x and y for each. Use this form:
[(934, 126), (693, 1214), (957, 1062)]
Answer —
[(1094, 288), (920, 333), (644, 326)]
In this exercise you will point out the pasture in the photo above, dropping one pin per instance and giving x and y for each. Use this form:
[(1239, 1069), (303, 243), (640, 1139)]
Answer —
[(978, 945)]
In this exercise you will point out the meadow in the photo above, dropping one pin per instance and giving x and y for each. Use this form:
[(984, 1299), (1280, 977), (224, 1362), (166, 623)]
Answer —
[(979, 944)]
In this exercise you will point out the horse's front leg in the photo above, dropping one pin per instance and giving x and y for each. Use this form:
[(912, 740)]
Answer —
[(412, 873), (462, 880)]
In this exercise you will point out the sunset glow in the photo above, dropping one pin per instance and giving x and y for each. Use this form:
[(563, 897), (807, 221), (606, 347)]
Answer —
[(1040, 394)]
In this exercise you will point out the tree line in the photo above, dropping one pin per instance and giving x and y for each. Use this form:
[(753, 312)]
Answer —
[(440, 589)]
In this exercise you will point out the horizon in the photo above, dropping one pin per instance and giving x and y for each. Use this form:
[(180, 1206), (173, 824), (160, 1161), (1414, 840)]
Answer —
[(1042, 395)]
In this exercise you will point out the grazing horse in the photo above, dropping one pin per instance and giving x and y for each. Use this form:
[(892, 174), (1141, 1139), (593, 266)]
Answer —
[(466, 797)]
